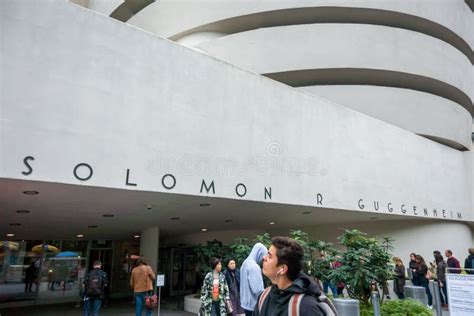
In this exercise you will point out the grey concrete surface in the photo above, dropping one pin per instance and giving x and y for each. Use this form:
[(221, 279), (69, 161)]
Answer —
[(116, 308)]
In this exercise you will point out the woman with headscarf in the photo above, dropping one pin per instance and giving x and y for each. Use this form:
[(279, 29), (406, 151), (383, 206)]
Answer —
[(214, 292), (232, 276)]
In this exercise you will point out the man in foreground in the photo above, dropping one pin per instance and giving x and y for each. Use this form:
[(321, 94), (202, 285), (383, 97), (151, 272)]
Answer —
[(292, 293)]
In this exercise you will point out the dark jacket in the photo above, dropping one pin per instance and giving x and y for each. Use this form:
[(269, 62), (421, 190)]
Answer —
[(103, 285), (276, 303), (413, 265), (233, 281), (453, 263), (31, 273), (230, 279), (469, 264), (399, 279), (421, 274), (441, 271)]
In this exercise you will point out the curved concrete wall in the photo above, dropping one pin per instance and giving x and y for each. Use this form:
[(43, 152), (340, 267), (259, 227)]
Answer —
[(455, 15), (395, 44), (423, 113), (322, 46), (174, 104), (102, 6), (343, 46)]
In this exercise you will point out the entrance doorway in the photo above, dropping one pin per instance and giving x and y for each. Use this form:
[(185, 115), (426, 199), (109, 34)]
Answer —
[(105, 255)]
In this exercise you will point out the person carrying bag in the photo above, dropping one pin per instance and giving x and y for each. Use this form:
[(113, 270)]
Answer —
[(141, 282)]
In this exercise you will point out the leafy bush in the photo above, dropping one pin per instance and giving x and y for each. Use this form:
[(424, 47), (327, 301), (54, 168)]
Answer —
[(407, 307), (364, 262)]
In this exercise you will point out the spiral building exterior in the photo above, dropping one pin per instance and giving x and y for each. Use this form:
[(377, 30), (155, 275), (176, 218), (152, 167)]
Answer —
[(187, 121)]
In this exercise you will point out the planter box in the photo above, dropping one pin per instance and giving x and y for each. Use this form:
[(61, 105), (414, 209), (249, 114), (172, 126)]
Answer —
[(192, 304)]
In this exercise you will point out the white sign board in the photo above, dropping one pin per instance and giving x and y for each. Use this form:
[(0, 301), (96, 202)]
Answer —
[(160, 280), (460, 294)]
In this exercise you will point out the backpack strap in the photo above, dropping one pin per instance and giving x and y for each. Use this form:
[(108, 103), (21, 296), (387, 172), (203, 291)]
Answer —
[(262, 298), (294, 304)]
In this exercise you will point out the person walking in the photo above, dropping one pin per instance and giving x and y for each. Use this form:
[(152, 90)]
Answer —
[(399, 278), (141, 281), (292, 292), (94, 285), (441, 278), (326, 268), (232, 276), (30, 277), (453, 264), (469, 262), (421, 272), (251, 280), (214, 292), (412, 265)]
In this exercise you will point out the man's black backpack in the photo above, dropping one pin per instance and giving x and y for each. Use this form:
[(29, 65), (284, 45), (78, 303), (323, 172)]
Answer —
[(94, 283)]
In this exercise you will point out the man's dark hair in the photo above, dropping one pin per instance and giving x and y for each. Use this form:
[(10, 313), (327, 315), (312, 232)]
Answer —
[(289, 252), (215, 262), (450, 252), (141, 261)]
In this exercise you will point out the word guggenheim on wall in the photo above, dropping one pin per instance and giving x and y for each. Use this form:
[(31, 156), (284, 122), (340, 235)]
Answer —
[(168, 181)]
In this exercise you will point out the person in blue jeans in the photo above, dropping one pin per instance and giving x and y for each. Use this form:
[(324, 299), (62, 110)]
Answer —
[(94, 285), (141, 282), (328, 285), (139, 304)]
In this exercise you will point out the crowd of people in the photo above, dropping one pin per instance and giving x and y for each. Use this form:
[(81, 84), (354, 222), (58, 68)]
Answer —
[(420, 274), (242, 292), (282, 264)]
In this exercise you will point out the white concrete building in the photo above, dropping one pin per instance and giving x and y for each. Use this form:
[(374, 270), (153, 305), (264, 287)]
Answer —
[(172, 116)]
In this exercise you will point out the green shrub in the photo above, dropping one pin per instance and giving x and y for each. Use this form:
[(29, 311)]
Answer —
[(405, 307)]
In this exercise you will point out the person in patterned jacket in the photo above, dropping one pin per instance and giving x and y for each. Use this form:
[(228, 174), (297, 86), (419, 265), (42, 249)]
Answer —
[(214, 292)]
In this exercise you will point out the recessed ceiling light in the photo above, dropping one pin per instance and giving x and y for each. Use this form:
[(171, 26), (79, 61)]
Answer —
[(204, 229), (80, 236), (92, 226), (15, 224), (271, 223), (306, 212), (10, 235), (22, 211), (136, 236), (175, 218), (204, 204), (228, 221), (108, 215), (30, 192)]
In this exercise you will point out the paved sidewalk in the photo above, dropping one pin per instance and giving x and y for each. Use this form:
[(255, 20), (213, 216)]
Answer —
[(115, 308)]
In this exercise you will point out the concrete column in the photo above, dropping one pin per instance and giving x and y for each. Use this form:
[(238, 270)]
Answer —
[(149, 244)]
